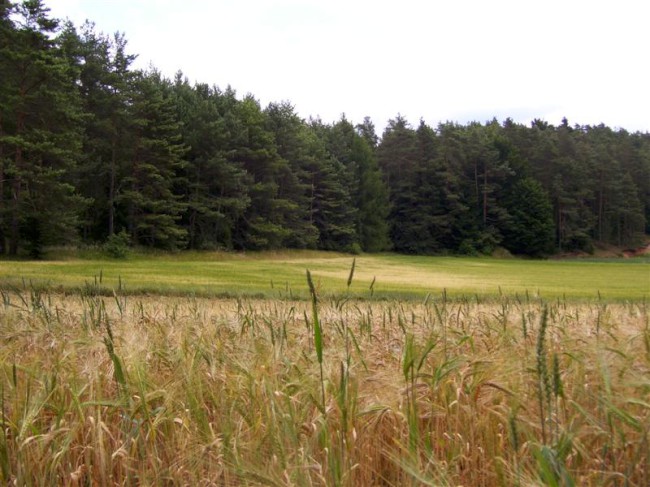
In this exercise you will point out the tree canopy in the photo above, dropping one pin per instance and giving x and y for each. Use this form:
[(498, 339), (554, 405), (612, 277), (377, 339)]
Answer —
[(91, 147)]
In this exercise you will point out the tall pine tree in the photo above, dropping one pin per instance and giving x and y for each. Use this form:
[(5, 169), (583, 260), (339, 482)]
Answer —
[(151, 200), (106, 84), (216, 191), (40, 130)]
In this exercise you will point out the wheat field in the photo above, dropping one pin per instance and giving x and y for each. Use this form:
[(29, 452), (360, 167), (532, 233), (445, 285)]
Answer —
[(123, 390)]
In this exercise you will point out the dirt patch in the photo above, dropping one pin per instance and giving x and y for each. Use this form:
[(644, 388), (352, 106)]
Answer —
[(604, 251), (637, 252)]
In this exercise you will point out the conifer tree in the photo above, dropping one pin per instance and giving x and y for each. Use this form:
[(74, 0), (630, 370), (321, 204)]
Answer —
[(106, 84), (81, 133), (40, 130), (368, 193), (151, 199), (296, 147), (530, 229), (370, 198), (216, 191), (332, 211), (253, 148)]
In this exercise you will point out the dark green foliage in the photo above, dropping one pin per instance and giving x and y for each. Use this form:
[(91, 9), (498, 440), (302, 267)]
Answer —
[(300, 153), (530, 229), (216, 189), (428, 214), (363, 180), (40, 131), (462, 189), (106, 85), (332, 210), (625, 214), (398, 159), (370, 198), (117, 245), (331, 207), (88, 145), (273, 148), (150, 200)]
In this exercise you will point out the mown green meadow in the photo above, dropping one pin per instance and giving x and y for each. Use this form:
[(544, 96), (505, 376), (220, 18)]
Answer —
[(282, 274)]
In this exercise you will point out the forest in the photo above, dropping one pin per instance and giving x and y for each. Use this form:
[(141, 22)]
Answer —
[(94, 150)]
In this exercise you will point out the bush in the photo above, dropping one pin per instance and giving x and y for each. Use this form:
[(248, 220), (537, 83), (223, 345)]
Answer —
[(466, 247), (118, 245), (355, 249), (501, 253)]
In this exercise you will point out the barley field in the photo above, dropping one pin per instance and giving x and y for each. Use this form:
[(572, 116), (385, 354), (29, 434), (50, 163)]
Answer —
[(136, 390)]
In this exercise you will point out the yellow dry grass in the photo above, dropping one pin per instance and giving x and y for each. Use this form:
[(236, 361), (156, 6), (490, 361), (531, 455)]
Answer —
[(167, 391)]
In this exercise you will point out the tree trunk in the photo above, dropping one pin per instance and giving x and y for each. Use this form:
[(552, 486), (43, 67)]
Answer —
[(601, 208), (476, 185), (2, 193), (559, 226), (485, 198), (14, 231), (111, 192)]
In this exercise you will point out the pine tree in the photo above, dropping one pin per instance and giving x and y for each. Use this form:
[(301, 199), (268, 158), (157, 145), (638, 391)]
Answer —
[(367, 131), (106, 84), (530, 229), (415, 200), (397, 157), (440, 191), (216, 191), (296, 147), (151, 199), (638, 167), (625, 213), (489, 171), (460, 229), (571, 188), (253, 148), (332, 211), (40, 130), (370, 198), (368, 193)]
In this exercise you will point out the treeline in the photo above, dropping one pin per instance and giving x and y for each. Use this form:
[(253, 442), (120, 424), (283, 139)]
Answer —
[(533, 190), (91, 148)]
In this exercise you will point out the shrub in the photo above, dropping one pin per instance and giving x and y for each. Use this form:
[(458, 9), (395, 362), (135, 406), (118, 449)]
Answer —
[(466, 247), (117, 245)]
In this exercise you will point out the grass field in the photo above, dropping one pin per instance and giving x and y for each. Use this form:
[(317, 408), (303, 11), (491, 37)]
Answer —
[(283, 275)]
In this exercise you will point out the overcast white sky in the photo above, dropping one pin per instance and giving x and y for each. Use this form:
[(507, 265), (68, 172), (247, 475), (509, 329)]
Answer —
[(458, 60)]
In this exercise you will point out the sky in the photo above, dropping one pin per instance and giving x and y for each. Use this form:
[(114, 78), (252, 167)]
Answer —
[(451, 60)]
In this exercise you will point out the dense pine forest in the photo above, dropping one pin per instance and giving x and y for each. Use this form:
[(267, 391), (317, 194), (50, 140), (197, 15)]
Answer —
[(92, 149)]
